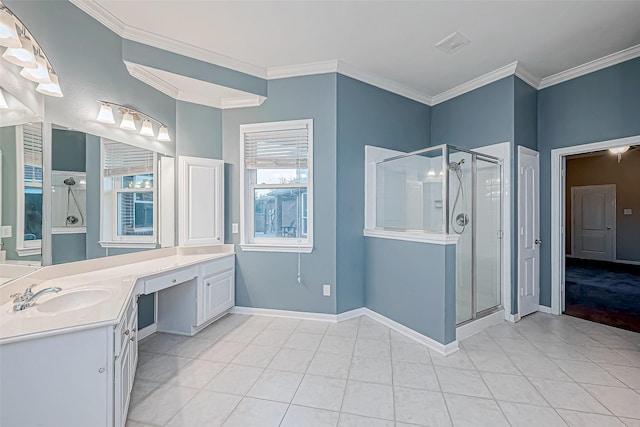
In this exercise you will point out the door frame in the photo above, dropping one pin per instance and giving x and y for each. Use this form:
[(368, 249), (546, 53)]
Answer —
[(558, 210), (573, 213), (529, 151)]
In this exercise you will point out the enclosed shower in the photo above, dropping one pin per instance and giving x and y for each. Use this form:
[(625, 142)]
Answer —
[(456, 192), (68, 200)]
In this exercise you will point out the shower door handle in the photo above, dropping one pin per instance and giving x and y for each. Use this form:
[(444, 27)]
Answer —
[(538, 242)]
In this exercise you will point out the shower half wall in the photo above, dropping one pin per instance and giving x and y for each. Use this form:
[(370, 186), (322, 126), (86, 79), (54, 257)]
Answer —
[(438, 196)]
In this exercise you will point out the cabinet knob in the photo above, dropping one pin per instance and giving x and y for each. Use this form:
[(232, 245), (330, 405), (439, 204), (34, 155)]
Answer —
[(132, 338), (126, 332), (101, 370), (208, 284), (173, 281)]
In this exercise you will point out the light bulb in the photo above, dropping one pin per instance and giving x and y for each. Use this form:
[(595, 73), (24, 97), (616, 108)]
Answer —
[(147, 128), (619, 150), (23, 55), (431, 173), (39, 74), (163, 134), (127, 122), (51, 89), (8, 34), (106, 114), (3, 102)]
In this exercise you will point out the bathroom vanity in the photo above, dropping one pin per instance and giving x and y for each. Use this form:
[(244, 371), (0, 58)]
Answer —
[(70, 359)]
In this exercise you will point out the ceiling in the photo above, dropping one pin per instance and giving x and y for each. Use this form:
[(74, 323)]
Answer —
[(392, 40)]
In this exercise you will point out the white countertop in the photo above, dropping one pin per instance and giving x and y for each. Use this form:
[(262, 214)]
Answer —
[(116, 274)]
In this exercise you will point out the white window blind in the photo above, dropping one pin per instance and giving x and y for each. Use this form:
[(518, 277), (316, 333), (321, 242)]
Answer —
[(281, 149), (123, 159), (32, 149)]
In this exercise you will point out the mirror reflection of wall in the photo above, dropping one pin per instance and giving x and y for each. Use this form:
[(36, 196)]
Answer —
[(21, 147)]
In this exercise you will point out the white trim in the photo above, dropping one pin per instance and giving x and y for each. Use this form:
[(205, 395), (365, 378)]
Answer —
[(310, 69), (124, 244), (241, 102), (68, 230), (147, 331), (444, 349), (305, 315), (275, 248), (29, 251), (476, 83), (100, 14), (25, 247), (544, 309), (527, 76), (513, 318), (151, 79), (624, 261), (558, 209), (591, 66), (414, 236), (478, 325)]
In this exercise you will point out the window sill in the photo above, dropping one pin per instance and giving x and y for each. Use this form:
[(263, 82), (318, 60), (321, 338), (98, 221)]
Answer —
[(409, 236), (131, 245), (276, 248), (28, 251)]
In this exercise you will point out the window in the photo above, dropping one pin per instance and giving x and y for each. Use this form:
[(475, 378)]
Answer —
[(128, 196), (29, 200), (277, 186)]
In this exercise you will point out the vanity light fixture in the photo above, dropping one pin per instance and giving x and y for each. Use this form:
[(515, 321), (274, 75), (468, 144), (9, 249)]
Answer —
[(129, 119), (3, 102), (431, 173), (23, 51), (8, 34)]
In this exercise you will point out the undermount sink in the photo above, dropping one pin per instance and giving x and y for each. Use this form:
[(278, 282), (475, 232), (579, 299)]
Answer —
[(73, 300)]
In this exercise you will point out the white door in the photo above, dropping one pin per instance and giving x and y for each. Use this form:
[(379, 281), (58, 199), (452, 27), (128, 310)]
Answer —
[(529, 231), (593, 215)]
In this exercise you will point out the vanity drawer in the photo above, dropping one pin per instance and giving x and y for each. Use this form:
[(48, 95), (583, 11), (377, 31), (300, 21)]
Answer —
[(217, 266), (169, 279)]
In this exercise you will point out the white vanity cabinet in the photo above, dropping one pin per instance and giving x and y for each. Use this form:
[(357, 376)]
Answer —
[(126, 359), (216, 289)]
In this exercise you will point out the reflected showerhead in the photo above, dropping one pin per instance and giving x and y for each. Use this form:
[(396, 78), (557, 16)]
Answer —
[(69, 181)]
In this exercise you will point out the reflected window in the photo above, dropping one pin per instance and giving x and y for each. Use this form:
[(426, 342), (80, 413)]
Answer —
[(277, 184), (128, 196), (29, 161)]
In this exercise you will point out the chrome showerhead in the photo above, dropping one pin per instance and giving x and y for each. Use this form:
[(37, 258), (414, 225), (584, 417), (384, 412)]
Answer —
[(456, 166), (69, 181)]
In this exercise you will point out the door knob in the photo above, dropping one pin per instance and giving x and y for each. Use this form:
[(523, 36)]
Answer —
[(608, 228), (538, 242)]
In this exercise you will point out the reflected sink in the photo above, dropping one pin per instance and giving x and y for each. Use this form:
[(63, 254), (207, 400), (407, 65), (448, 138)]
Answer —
[(73, 300)]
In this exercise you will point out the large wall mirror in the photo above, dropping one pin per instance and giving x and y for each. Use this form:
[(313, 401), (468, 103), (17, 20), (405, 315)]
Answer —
[(21, 173)]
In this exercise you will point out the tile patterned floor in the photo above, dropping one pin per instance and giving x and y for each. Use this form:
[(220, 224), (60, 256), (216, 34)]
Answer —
[(261, 371)]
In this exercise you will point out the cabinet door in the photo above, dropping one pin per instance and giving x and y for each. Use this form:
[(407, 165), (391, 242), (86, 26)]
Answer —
[(219, 294), (201, 201), (133, 347), (122, 385)]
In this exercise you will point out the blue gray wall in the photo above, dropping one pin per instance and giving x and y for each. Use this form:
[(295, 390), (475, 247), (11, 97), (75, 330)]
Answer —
[(268, 279), (413, 284), (366, 115), (595, 107)]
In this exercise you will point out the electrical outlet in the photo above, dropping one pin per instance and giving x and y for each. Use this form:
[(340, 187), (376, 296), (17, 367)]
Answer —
[(326, 290), (234, 228), (628, 211), (6, 231)]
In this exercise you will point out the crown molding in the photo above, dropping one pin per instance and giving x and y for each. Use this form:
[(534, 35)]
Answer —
[(152, 80), (527, 76), (476, 83), (242, 102), (590, 67), (383, 83), (309, 69), (100, 14)]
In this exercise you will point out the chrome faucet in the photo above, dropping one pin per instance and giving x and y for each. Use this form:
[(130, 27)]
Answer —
[(28, 298)]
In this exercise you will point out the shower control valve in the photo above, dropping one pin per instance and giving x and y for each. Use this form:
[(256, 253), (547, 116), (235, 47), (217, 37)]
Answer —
[(538, 242)]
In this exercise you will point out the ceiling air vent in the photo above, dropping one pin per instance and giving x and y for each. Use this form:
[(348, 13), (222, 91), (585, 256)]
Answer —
[(452, 42)]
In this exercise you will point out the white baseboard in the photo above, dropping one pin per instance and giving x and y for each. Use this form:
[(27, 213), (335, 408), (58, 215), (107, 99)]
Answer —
[(304, 315), (149, 330), (478, 325), (444, 349), (544, 309), (513, 318)]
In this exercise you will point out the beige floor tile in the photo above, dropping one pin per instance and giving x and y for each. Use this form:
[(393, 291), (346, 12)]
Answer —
[(205, 409), (468, 411), (520, 415), (256, 413), (583, 419), (298, 416), (369, 400), (320, 392), (420, 407)]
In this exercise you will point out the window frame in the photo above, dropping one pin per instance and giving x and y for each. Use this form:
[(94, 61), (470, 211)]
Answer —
[(248, 185), (24, 247), (109, 192)]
